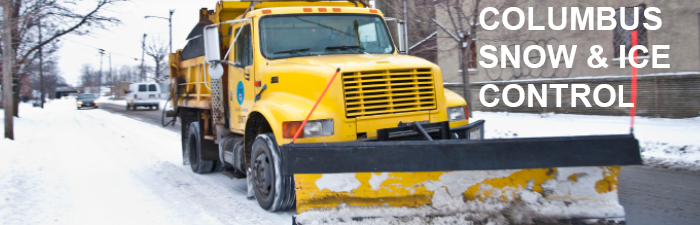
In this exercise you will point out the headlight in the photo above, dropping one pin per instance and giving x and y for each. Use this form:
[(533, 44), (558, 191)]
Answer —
[(456, 113), (315, 128), (80, 102)]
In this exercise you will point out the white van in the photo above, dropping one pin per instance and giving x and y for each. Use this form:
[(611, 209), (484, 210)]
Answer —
[(143, 94)]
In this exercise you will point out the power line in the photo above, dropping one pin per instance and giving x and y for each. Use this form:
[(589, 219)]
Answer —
[(100, 49)]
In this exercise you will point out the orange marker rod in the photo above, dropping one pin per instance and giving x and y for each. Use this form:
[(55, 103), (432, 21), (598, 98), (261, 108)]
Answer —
[(314, 108)]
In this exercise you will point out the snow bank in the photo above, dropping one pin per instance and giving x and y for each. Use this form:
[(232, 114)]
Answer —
[(122, 102), (668, 143)]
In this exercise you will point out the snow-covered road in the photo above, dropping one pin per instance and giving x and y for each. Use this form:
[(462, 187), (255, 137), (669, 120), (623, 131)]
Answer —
[(71, 166)]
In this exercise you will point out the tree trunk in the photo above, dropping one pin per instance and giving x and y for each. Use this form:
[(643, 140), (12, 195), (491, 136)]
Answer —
[(15, 103), (41, 68), (7, 71), (465, 79)]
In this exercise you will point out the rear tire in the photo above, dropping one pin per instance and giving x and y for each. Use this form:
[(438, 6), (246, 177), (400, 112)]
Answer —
[(273, 191), (193, 146)]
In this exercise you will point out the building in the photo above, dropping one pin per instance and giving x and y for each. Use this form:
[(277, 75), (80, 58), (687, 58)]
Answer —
[(422, 36), (663, 92)]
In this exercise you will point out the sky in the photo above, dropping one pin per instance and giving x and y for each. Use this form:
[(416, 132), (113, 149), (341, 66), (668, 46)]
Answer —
[(124, 40)]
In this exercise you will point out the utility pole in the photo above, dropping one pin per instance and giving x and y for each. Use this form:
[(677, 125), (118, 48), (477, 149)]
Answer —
[(41, 67), (110, 72), (7, 71), (170, 24), (99, 78), (143, 53), (405, 26)]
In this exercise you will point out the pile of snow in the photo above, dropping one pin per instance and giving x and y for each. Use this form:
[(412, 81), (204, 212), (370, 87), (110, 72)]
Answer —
[(122, 102), (667, 143)]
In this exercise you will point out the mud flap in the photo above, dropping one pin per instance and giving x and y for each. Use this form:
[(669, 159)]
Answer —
[(185, 157), (500, 180)]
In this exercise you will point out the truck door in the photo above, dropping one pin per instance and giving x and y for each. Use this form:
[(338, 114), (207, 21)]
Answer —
[(241, 79)]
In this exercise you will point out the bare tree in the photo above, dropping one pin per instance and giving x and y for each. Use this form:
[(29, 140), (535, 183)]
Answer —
[(158, 52), (58, 18), (51, 78), (124, 75), (463, 27), (88, 79)]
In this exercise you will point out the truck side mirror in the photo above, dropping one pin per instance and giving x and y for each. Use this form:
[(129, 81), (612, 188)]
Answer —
[(212, 54), (400, 33), (403, 46)]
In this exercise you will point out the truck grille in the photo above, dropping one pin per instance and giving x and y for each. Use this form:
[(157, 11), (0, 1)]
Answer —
[(388, 91)]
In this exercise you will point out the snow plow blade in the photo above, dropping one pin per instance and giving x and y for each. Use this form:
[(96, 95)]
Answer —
[(505, 181)]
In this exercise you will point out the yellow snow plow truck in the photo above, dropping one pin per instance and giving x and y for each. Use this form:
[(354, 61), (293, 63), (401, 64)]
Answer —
[(312, 103)]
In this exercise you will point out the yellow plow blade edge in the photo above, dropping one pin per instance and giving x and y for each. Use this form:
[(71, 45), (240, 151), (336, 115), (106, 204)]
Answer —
[(511, 196)]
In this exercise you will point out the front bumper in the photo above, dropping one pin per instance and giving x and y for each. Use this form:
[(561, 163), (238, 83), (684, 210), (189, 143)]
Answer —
[(85, 105), (396, 150)]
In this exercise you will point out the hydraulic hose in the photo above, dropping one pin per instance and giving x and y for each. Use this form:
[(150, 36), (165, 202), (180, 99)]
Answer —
[(162, 116)]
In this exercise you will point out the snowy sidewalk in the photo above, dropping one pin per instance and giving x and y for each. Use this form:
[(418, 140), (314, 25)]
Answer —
[(71, 166), (668, 143)]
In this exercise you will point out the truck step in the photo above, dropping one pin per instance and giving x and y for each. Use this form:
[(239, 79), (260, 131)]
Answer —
[(229, 172)]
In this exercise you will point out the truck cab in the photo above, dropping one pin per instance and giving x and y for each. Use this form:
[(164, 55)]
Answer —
[(284, 57)]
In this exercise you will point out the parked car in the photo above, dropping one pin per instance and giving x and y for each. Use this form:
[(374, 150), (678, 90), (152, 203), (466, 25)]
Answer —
[(86, 100), (144, 95)]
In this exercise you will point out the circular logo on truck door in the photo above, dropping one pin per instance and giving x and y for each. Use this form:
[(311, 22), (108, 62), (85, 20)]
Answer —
[(240, 93)]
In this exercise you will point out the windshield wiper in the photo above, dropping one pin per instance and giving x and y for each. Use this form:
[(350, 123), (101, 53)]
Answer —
[(293, 51), (348, 47)]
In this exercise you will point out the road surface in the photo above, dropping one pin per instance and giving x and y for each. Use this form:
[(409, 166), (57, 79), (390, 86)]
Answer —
[(142, 114), (651, 196)]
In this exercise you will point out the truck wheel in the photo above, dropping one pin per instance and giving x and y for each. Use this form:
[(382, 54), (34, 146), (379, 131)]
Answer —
[(193, 146), (273, 191)]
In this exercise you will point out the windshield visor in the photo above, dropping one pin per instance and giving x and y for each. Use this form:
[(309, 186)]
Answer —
[(303, 35)]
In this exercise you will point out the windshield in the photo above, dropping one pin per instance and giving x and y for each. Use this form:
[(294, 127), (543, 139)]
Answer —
[(86, 96), (303, 35)]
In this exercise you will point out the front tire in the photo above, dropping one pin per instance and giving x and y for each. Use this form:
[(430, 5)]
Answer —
[(273, 191), (193, 146)]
